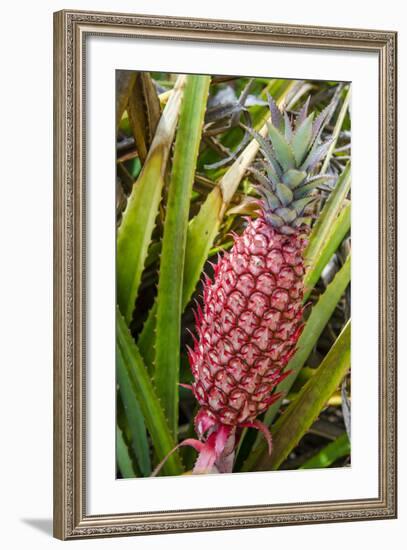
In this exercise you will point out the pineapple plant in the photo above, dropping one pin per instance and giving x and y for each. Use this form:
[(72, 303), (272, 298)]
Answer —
[(252, 315), (246, 343)]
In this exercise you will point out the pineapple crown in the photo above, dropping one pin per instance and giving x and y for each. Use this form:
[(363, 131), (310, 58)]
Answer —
[(291, 153)]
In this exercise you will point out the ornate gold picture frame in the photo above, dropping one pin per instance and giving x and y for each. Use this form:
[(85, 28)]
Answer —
[(72, 29)]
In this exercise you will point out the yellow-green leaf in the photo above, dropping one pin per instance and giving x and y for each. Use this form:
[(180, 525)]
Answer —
[(304, 410), (170, 285), (153, 413), (134, 233)]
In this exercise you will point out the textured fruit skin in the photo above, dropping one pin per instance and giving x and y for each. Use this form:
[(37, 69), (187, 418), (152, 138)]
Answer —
[(250, 323)]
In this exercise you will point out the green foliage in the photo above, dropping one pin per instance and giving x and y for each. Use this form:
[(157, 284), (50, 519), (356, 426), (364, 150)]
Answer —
[(123, 457), (284, 151), (304, 410), (338, 126), (332, 452), (302, 139), (337, 232), (146, 396), (178, 215), (134, 416), (135, 230), (324, 226), (169, 298)]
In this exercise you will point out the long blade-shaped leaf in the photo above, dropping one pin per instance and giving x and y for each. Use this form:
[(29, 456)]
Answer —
[(303, 411), (146, 396), (330, 211), (337, 129), (284, 151), (302, 139), (320, 315), (135, 419), (134, 233), (123, 457), (332, 452), (340, 227), (169, 298)]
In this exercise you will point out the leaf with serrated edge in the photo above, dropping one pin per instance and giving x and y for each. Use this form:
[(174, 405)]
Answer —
[(337, 129), (288, 131), (302, 139), (134, 417), (123, 458), (323, 118), (149, 403), (301, 204), (329, 212), (138, 221), (340, 227), (293, 178), (307, 187), (267, 150), (276, 116), (169, 296), (282, 149), (284, 193), (302, 115), (316, 154), (304, 410)]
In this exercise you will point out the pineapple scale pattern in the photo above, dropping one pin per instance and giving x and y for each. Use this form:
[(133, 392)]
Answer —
[(249, 325)]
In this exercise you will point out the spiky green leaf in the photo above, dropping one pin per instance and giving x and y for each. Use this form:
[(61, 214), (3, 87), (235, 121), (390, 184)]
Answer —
[(270, 171), (310, 186), (293, 178), (288, 131), (134, 233), (170, 285), (146, 396), (301, 140), (315, 156), (284, 193), (134, 416), (339, 228), (301, 204), (274, 168), (282, 149), (325, 220), (329, 454), (337, 129), (288, 214), (323, 118), (123, 457), (276, 116), (302, 115), (304, 410)]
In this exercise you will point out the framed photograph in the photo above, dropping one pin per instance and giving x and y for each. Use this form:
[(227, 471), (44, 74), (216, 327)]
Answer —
[(212, 181)]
